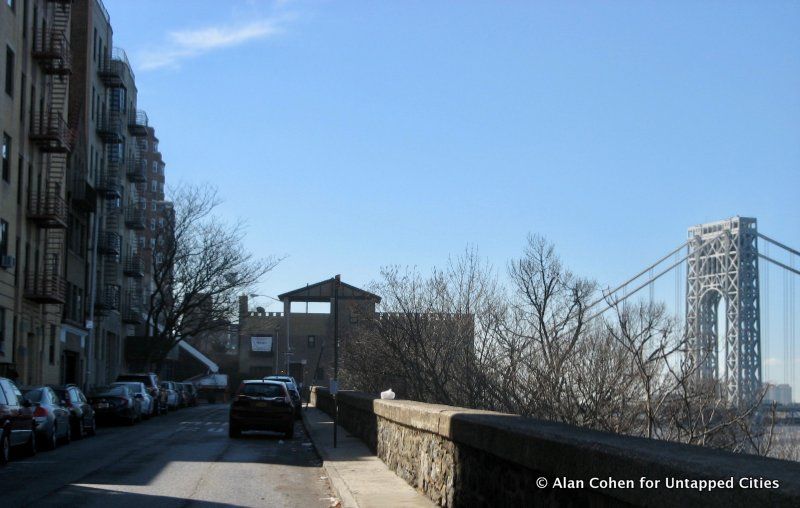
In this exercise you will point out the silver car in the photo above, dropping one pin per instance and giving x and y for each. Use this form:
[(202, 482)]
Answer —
[(140, 392), (173, 398)]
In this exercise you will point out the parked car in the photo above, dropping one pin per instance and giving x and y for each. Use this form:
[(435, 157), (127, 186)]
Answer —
[(294, 391), (82, 420), (51, 415), (261, 404), (139, 391), (17, 424), (150, 381), (191, 391), (116, 402), (183, 397), (173, 398)]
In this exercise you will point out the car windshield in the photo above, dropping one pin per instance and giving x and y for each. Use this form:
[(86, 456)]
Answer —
[(134, 387), (110, 390), (34, 395), (261, 390)]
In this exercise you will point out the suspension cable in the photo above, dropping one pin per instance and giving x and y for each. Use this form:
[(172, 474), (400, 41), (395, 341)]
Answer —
[(638, 288), (785, 267), (779, 244), (638, 275)]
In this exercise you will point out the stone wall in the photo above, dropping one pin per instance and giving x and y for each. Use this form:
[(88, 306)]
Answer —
[(464, 457)]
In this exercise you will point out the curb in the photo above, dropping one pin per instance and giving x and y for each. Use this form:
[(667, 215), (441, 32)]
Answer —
[(339, 486)]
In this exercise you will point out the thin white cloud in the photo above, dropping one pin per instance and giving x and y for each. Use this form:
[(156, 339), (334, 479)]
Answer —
[(191, 43)]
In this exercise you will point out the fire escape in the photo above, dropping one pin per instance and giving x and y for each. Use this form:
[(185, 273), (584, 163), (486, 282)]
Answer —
[(110, 186), (135, 220), (51, 133)]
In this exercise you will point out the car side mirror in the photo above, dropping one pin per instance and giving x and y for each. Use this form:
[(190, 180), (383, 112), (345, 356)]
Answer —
[(26, 403), (139, 396)]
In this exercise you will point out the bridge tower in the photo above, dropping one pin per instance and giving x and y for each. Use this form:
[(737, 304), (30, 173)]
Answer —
[(722, 268)]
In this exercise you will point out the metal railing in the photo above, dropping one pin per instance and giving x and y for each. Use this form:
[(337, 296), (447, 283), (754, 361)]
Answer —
[(51, 47), (110, 243), (45, 288), (137, 170), (48, 209), (138, 123), (50, 131)]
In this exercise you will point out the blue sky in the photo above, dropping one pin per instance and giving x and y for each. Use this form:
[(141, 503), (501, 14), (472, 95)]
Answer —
[(354, 135)]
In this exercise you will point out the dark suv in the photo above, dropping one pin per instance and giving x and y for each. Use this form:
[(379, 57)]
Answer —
[(153, 387), (17, 425), (262, 405)]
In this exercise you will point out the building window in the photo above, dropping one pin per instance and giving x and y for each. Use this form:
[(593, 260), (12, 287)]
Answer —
[(9, 71), (6, 157), (3, 238), (312, 341), (22, 85), (52, 352), (155, 167), (2, 331), (25, 19)]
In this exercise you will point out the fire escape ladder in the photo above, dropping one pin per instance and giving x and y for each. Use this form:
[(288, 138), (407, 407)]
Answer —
[(50, 132)]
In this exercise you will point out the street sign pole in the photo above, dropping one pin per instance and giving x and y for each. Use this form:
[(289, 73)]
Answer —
[(335, 386)]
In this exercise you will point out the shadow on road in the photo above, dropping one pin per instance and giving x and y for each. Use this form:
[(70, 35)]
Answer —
[(88, 496)]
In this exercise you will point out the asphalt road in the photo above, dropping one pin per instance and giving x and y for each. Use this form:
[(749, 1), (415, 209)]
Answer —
[(183, 459)]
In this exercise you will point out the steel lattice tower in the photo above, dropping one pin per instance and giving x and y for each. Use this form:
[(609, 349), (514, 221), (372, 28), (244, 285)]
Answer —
[(722, 265)]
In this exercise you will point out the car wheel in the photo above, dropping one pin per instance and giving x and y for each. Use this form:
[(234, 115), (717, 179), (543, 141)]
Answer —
[(68, 435), (289, 434), (5, 449), (234, 431), (78, 432), (30, 446), (52, 439)]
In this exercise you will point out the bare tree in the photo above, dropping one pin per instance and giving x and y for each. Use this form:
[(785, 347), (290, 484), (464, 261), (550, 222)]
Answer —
[(199, 266), (458, 337), (431, 340), (543, 332)]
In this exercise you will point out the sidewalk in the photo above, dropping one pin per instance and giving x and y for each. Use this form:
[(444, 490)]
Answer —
[(359, 478)]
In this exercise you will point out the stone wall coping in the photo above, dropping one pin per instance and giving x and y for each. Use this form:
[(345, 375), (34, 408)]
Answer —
[(557, 449)]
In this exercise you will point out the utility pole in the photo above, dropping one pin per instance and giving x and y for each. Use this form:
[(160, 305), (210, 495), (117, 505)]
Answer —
[(336, 280)]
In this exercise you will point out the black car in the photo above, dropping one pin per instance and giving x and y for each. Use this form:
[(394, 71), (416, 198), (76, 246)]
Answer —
[(153, 387), (262, 405), (17, 426), (82, 419), (116, 402), (51, 415)]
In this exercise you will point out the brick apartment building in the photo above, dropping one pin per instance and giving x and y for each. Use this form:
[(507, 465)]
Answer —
[(82, 180)]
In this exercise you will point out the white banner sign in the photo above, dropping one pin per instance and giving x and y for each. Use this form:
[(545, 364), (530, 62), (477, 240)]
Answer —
[(261, 344)]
